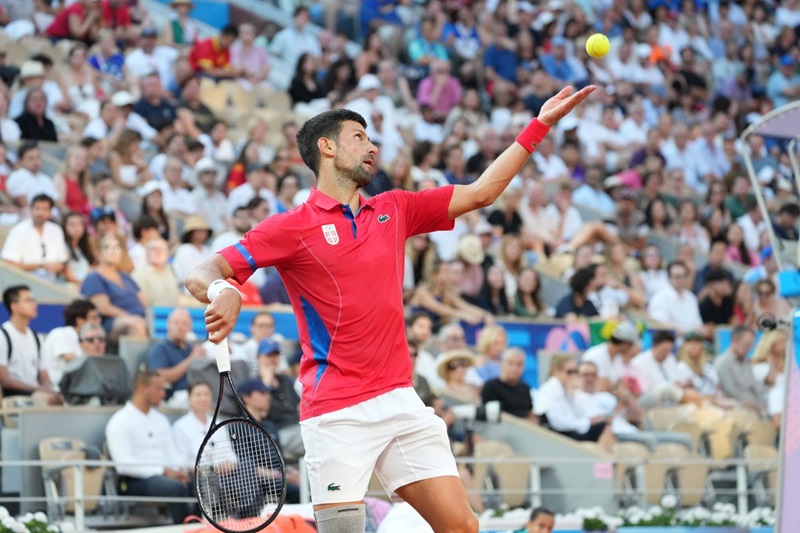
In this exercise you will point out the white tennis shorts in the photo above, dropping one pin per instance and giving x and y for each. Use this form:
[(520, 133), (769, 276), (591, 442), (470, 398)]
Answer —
[(394, 434)]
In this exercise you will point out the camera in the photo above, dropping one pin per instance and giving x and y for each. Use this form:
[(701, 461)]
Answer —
[(488, 412)]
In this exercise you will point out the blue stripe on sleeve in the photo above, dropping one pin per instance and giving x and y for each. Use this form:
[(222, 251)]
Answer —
[(247, 256)]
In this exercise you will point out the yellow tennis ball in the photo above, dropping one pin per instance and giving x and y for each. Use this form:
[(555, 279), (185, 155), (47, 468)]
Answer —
[(597, 45)]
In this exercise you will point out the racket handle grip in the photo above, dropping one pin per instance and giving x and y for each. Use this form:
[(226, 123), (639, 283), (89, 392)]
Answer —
[(223, 356)]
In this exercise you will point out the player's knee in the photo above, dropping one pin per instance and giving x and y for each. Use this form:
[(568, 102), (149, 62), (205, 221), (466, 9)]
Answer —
[(464, 523), (342, 519)]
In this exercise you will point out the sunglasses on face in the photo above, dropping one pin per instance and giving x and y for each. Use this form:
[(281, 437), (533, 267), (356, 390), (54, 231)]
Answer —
[(94, 339), (571, 371), (452, 365)]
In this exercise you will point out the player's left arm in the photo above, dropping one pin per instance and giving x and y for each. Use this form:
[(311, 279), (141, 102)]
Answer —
[(486, 189)]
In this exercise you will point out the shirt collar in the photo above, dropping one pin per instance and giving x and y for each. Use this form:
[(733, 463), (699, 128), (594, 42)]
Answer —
[(327, 203)]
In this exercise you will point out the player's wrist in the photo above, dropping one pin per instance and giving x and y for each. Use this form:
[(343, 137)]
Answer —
[(532, 135), (216, 288)]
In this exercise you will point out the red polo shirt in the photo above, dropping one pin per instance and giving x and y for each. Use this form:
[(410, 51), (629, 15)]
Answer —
[(344, 276), (111, 17), (209, 54)]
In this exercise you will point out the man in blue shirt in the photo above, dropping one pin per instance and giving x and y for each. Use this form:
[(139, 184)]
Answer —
[(783, 85), (785, 224), (172, 356), (555, 63)]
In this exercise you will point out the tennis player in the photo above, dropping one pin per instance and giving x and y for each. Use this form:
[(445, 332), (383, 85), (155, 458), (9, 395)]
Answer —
[(341, 259)]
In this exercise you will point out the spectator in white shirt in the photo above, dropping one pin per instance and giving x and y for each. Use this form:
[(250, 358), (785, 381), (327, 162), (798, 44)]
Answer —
[(555, 404), (9, 129), (107, 125), (752, 225), (695, 368), (21, 370), (140, 443), (678, 153), (659, 367), (295, 40), (177, 198), (676, 305), (256, 177), (36, 244), (241, 223), (605, 356), (124, 101), (206, 194), (149, 58), (549, 163), (194, 250), (189, 431), (62, 345), (29, 180), (591, 193)]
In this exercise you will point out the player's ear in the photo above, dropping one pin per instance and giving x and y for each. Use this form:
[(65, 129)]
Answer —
[(326, 146)]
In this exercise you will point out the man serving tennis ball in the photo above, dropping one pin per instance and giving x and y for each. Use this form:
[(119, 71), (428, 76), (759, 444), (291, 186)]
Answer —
[(341, 259)]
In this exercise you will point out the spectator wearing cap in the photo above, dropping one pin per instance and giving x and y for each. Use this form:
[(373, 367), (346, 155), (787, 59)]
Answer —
[(212, 57), (629, 224), (124, 102), (35, 244), (206, 194), (256, 178), (194, 248), (148, 57), (28, 180), (785, 224), (783, 85), (118, 299), (152, 106), (675, 304), (452, 367), (33, 74), (370, 102), (193, 115), (472, 256), (606, 356), (768, 269), (155, 277), (172, 356), (177, 198), (296, 39), (285, 406), (181, 31), (717, 306)]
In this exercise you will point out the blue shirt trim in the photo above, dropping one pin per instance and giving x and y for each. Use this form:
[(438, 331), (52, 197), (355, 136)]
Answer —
[(247, 256)]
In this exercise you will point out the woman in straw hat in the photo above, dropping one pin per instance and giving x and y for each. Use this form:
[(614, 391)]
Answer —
[(181, 30), (452, 368), (194, 250)]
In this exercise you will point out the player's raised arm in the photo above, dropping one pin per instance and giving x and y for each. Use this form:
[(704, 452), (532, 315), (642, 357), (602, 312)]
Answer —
[(207, 283), (486, 189)]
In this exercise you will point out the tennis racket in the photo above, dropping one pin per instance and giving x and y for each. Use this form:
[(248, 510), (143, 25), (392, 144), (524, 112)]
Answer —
[(239, 472)]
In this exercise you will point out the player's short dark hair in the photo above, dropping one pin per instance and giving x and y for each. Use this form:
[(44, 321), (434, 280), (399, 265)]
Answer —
[(42, 198), (77, 309), (144, 222), (230, 30), (11, 295), (540, 511), (663, 335), (582, 278), (327, 125), (26, 147)]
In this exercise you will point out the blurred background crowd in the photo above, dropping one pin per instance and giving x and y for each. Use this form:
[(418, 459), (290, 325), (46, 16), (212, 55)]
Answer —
[(134, 147)]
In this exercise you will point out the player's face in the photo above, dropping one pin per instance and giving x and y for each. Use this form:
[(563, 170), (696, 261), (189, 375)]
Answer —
[(542, 524), (355, 154)]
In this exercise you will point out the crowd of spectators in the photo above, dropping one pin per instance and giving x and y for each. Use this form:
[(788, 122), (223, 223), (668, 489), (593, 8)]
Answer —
[(156, 177)]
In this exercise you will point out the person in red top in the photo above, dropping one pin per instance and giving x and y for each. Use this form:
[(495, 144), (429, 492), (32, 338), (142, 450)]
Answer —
[(83, 20), (341, 258), (212, 56)]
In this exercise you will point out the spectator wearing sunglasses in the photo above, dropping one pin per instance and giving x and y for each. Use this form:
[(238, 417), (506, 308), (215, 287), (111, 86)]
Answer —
[(556, 406), (452, 368)]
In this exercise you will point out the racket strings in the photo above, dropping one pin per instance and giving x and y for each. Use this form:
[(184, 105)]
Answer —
[(240, 478)]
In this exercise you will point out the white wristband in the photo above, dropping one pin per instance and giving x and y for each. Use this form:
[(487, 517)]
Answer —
[(217, 287)]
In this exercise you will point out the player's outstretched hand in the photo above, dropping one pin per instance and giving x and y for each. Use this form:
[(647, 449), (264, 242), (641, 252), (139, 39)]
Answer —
[(221, 315), (558, 106)]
